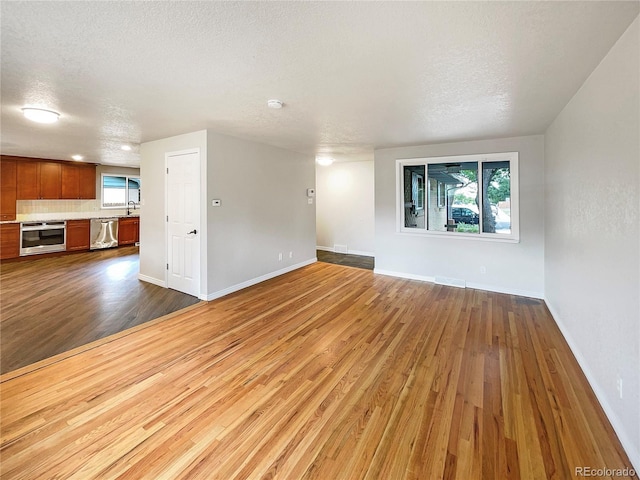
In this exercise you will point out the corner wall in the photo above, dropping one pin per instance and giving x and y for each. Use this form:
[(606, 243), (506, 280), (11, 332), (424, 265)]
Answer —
[(153, 241), (264, 212), (345, 206), (515, 268), (592, 251)]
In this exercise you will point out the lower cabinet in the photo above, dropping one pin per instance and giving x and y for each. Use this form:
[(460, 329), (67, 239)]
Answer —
[(128, 230), (78, 235), (9, 240)]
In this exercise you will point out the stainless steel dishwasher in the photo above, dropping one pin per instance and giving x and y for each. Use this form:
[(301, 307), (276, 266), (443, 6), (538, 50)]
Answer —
[(104, 233)]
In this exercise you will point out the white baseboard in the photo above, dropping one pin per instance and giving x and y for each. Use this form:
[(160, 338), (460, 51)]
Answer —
[(509, 291), (451, 282), (409, 276), (477, 286), (618, 426), (155, 281), (350, 252), (262, 278)]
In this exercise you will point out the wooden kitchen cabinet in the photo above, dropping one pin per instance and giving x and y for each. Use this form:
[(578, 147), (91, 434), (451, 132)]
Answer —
[(8, 189), (128, 230), (78, 234), (28, 185), (69, 178), (9, 240), (38, 180), (78, 181), (50, 180), (87, 182)]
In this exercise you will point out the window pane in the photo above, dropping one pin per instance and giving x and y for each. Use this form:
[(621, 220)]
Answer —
[(114, 191), (453, 191), (414, 211), (118, 191), (134, 190), (496, 195)]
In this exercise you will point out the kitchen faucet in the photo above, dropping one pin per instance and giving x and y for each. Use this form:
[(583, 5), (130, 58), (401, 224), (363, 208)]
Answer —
[(131, 202)]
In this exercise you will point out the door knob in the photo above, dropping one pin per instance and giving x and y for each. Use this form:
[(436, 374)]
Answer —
[(192, 231)]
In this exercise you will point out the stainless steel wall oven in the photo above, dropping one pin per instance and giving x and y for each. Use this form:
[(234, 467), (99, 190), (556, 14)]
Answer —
[(42, 237)]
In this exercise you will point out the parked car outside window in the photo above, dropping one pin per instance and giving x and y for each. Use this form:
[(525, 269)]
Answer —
[(465, 215)]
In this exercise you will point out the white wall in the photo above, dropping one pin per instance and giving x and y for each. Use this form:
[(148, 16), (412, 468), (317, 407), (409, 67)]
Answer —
[(153, 242), (592, 259), (345, 206), (510, 267), (264, 212)]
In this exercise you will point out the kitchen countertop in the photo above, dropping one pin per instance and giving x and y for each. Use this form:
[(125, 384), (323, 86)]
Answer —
[(58, 217)]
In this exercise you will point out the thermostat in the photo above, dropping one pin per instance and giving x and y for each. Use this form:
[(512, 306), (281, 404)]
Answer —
[(311, 192)]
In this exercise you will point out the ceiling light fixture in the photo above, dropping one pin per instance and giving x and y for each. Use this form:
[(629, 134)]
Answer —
[(126, 148), (77, 158), (274, 104), (324, 161), (40, 115)]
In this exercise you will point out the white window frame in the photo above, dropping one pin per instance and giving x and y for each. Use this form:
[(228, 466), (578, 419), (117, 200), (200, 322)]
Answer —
[(114, 207), (511, 157), (419, 205)]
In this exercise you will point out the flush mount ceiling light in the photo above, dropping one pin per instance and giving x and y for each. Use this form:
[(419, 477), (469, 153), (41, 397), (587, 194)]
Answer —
[(77, 158), (40, 115), (274, 104), (126, 148), (324, 161)]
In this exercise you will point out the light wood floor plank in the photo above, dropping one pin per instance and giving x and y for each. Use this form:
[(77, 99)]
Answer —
[(328, 372)]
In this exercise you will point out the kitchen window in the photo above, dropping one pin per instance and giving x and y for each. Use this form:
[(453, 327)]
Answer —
[(467, 196), (119, 190)]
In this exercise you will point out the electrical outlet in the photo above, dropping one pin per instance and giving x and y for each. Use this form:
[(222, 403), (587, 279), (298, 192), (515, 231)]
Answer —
[(280, 257), (619, 385), (483, 269), (290, 254)]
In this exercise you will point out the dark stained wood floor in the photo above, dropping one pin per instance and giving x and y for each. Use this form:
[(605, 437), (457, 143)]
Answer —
[(328, 373), (348, 260), (52, 305)]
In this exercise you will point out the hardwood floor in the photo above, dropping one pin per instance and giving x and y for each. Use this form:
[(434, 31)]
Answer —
[(326, 372), (358, 261), (52, 305)]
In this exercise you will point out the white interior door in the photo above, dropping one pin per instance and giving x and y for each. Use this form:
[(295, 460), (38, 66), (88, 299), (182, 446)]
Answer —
[(183, 222)]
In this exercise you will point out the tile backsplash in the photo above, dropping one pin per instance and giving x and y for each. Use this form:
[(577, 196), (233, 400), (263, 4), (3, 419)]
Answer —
[(35, 210), (26, 207)]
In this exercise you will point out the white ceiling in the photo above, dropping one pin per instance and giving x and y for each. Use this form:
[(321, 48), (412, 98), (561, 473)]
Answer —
[(354, 76)]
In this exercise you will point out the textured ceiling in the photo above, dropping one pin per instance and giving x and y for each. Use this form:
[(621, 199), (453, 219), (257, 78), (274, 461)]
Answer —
[(354, 76)]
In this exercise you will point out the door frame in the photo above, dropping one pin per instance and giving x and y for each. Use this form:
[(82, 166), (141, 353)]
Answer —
[(187, 151)]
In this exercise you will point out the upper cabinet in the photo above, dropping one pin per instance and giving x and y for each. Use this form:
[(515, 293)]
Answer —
[(78, 181), (53, 180), (38, 180), (7, 190), (28, 180), (50, 180)]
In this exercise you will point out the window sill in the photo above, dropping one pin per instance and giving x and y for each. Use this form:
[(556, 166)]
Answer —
[(462, 236)]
